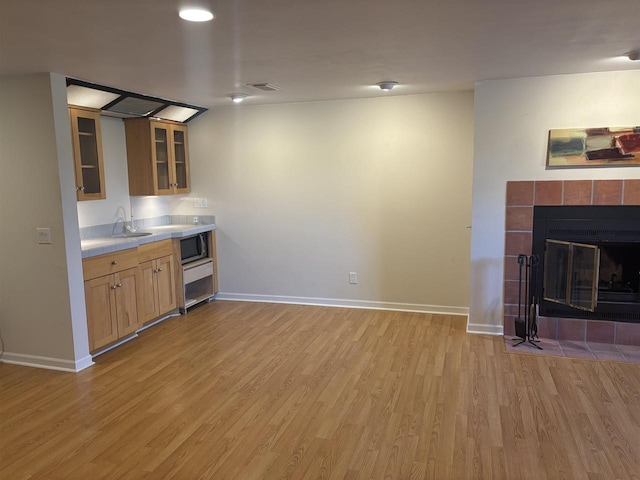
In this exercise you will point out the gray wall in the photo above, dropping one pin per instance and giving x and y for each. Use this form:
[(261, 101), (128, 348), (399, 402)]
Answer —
[(305, 193), (42, 311)]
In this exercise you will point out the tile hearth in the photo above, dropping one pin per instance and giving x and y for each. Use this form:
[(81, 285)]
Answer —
[(575, 349)]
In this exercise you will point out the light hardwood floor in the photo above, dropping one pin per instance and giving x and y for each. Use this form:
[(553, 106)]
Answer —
[(250, 391)]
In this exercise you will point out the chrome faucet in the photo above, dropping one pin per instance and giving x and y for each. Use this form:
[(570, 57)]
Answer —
[(117, 230), (132, 227)]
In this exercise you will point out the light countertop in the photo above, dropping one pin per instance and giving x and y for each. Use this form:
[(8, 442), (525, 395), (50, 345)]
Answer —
[(101, 245)]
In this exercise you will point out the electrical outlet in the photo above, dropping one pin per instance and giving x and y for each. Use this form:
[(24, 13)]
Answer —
[(44, 235), (353, 278), (195, 220)]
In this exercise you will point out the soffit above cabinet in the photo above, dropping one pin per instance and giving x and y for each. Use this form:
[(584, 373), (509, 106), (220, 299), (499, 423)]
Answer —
[(122, 104)]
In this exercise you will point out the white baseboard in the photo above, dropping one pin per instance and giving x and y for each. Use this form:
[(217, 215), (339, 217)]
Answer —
[(117, 344), (49, 363), (481, 328), (83, 363), (335, 302)]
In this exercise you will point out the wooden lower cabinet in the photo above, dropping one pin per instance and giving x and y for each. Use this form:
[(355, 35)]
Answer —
[(166, 284), (125, 289), (127, 301), (112, 307), (158, 292)]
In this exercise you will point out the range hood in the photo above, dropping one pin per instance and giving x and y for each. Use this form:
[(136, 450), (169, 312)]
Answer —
[(122, 104)]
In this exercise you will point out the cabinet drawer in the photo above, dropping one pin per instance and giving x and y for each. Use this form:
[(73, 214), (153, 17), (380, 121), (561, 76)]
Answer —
[(151, 251), (95, 267), (196, 273)]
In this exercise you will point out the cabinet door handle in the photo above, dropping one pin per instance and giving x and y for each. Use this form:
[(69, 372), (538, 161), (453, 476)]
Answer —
[(114, 262), (119, 285), (114, 287), (159, 270)]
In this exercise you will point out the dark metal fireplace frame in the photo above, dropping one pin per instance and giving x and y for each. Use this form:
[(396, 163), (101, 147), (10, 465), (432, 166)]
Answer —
[(594, 225)]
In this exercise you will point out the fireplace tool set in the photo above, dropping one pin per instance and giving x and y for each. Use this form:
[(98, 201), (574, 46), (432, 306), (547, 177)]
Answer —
[(527, 321)]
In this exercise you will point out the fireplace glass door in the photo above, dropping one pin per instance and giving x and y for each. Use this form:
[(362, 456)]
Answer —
[(571, 274)]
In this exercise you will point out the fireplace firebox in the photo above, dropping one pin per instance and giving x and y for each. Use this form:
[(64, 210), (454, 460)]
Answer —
[(590, 262)]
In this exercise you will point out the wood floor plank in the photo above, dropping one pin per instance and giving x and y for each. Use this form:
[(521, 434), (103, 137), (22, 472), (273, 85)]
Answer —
[(267, 391)]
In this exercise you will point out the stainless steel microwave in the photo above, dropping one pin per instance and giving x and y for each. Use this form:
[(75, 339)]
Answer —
[(193, 248)]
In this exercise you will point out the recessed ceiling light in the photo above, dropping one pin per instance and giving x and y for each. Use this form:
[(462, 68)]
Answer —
[(387, 85), (176, 113), (89, 97), (196, 15), (238, 97)]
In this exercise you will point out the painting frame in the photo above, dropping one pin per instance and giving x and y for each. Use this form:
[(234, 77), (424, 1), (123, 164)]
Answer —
[(593, 147)]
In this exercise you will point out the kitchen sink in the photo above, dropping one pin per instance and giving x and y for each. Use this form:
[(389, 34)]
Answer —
[(131, 234)]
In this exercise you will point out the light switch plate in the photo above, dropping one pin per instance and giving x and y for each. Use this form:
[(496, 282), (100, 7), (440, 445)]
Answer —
[(44, 235)]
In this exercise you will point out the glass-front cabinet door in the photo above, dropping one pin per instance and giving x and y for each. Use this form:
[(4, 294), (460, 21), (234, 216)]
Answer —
[(157, 157), (181, 158), (87, 153), (160, 150)]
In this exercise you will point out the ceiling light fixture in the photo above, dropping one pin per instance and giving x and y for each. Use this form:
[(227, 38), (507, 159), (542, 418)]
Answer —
[(238, 97), (634, 56), (387, 86), (118, 103), (196, 15)]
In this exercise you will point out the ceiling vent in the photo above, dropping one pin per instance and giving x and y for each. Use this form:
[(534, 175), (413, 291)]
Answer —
[(267, 87)]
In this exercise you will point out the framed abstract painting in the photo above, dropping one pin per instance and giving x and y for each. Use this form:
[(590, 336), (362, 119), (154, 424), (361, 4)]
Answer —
[(594, 147)]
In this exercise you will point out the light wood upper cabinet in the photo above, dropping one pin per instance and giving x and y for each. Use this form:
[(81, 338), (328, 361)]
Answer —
[(157, 157), (86, 138)]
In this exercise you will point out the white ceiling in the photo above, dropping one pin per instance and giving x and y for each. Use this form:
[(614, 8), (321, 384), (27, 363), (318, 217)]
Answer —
[(313, 49)]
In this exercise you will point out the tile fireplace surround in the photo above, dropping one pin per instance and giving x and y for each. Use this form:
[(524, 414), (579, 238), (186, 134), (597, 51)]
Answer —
[(522, 196)]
